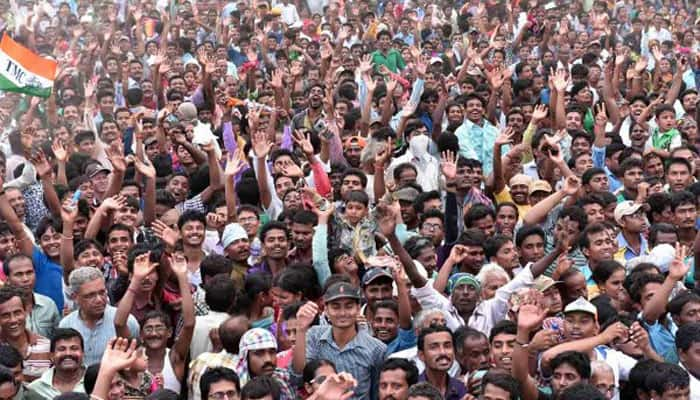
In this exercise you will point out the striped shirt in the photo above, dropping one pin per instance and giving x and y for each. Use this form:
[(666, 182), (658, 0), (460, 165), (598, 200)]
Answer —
[(362, 357), (37, 359)]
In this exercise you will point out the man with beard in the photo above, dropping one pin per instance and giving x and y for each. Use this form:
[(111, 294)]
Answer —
[(436, 350), (257, 356), (94, 317), (275, 245), (362, 359), (13, 331), (67, 373), (352, 150), (308, 118), (156, 330), (42, 314), (237, 249), (302, 228), (395, 377)]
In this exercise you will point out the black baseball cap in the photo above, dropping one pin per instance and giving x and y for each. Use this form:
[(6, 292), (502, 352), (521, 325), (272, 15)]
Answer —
[(341, 290), (375, 273)]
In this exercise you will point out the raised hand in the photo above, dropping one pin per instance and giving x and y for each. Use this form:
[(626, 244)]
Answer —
[(304, 143), (336, 387), (115, 155), (678, 267), (113, 203), (571, 185), (69, 211), (143, 267), (120, 354), (505, 137), (448, 164), (306, 315), (215, 221), (145, 168), (601, 116), (616, 331), (166, 234), (384, 154), (292, 170), (178, 263), (539, 113), (641, 65), (409, 109), (531, 315), (41, 164), (560, 81), (277, 82), (457, 254), (235, 164), (386, 220), (261, 144)]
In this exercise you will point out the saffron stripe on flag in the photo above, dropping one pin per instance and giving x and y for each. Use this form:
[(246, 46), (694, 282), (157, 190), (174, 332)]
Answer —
[(31, 62)]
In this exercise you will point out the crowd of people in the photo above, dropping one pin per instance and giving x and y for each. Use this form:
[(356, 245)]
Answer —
[(331, 200)]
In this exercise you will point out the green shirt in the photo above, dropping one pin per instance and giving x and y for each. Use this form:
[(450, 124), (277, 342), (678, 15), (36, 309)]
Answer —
[(391, 60), (42, 388)]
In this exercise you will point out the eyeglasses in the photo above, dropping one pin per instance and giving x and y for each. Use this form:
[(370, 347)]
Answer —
[(319, 379), (431, 227), (156, 329), (231, 394)]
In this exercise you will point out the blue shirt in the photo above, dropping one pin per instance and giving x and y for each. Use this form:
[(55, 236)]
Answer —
[(662, 336), (96, 340), (49, 277), (476, 142), (629, 252), (404, 340), (599, 162)]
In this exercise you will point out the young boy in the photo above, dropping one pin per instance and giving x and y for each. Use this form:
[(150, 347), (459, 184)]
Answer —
[(666, 137)]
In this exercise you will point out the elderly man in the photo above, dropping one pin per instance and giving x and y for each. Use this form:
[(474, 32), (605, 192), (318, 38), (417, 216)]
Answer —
[(94, 318)]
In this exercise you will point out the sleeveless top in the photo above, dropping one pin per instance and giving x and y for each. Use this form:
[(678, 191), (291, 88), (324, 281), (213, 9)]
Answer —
[(170, 380)]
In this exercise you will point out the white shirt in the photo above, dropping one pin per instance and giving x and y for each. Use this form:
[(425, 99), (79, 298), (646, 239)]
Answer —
[(200, 338), (694, 384), (289, 16), (428, 169), (620, 363)]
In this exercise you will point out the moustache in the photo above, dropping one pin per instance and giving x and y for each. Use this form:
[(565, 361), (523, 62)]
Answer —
[(443, 358), (268, 365), (69, 358)]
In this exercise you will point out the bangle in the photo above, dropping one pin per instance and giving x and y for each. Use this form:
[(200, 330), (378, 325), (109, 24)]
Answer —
[(523, 345), (66, 237), (132, 290)]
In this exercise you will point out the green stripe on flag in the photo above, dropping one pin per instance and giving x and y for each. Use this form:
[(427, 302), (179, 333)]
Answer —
[(9, 86)]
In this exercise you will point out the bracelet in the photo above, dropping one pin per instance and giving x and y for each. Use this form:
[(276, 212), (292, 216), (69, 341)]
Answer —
[(66, 237), (523, 345)]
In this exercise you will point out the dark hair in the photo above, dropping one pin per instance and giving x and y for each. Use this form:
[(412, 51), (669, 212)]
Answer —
[(9, 356), (527, 231), (390, 304), (190, 216), (657, 203), (220, 293), (577, 360), (163, 394), (216, 374), (463, 333), (675, 306), (687, 335), (678, 160), (305, 217), (592, 229), (637, 378), (478, 212), (575, 214), (494, 244), (298, 278), (501, 327), (605, 269), (409, 368), (426, 390), (640, 281), (72, 396), (680, 198), (259, 387), (272, 225), (215, 264), (355, 172), (357, 196), (90, 377), (419, 202), (581, 391), (590, 173), (663, 108), (433, 213), (65, 334), (87, 244), (7, 293), (312, 365), (45, 224), (428, 331), (254, 284), (630, 163), (666, 376), (502, 381), (11, 258), (472, 237)]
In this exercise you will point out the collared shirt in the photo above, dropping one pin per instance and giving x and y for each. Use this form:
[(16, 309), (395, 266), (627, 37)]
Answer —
[(476, 142), (200, 339), (598, 155), (626, 252), (43, 389), (44, 317), (455, 389), (202, 363), (495, 309), (96, 339), (362, 357)]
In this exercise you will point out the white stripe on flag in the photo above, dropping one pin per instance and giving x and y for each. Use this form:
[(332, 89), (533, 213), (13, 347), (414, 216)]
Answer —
[(18, 75)]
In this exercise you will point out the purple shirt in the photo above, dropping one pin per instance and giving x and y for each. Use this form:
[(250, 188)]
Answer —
[(455, 389)]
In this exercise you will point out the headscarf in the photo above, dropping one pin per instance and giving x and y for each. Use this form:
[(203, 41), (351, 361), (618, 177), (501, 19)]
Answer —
[(253, 339)]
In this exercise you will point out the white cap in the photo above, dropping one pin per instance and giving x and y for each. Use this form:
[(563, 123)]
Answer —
[(627, 207)]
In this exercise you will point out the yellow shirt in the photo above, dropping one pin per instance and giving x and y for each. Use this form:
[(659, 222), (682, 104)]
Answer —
[(504, 197)]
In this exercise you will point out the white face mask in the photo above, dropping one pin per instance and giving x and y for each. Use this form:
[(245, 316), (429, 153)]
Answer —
[(419, 145)]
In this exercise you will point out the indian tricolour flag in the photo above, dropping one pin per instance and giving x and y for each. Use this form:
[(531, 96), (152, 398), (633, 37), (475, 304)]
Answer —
[(23, 71)]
